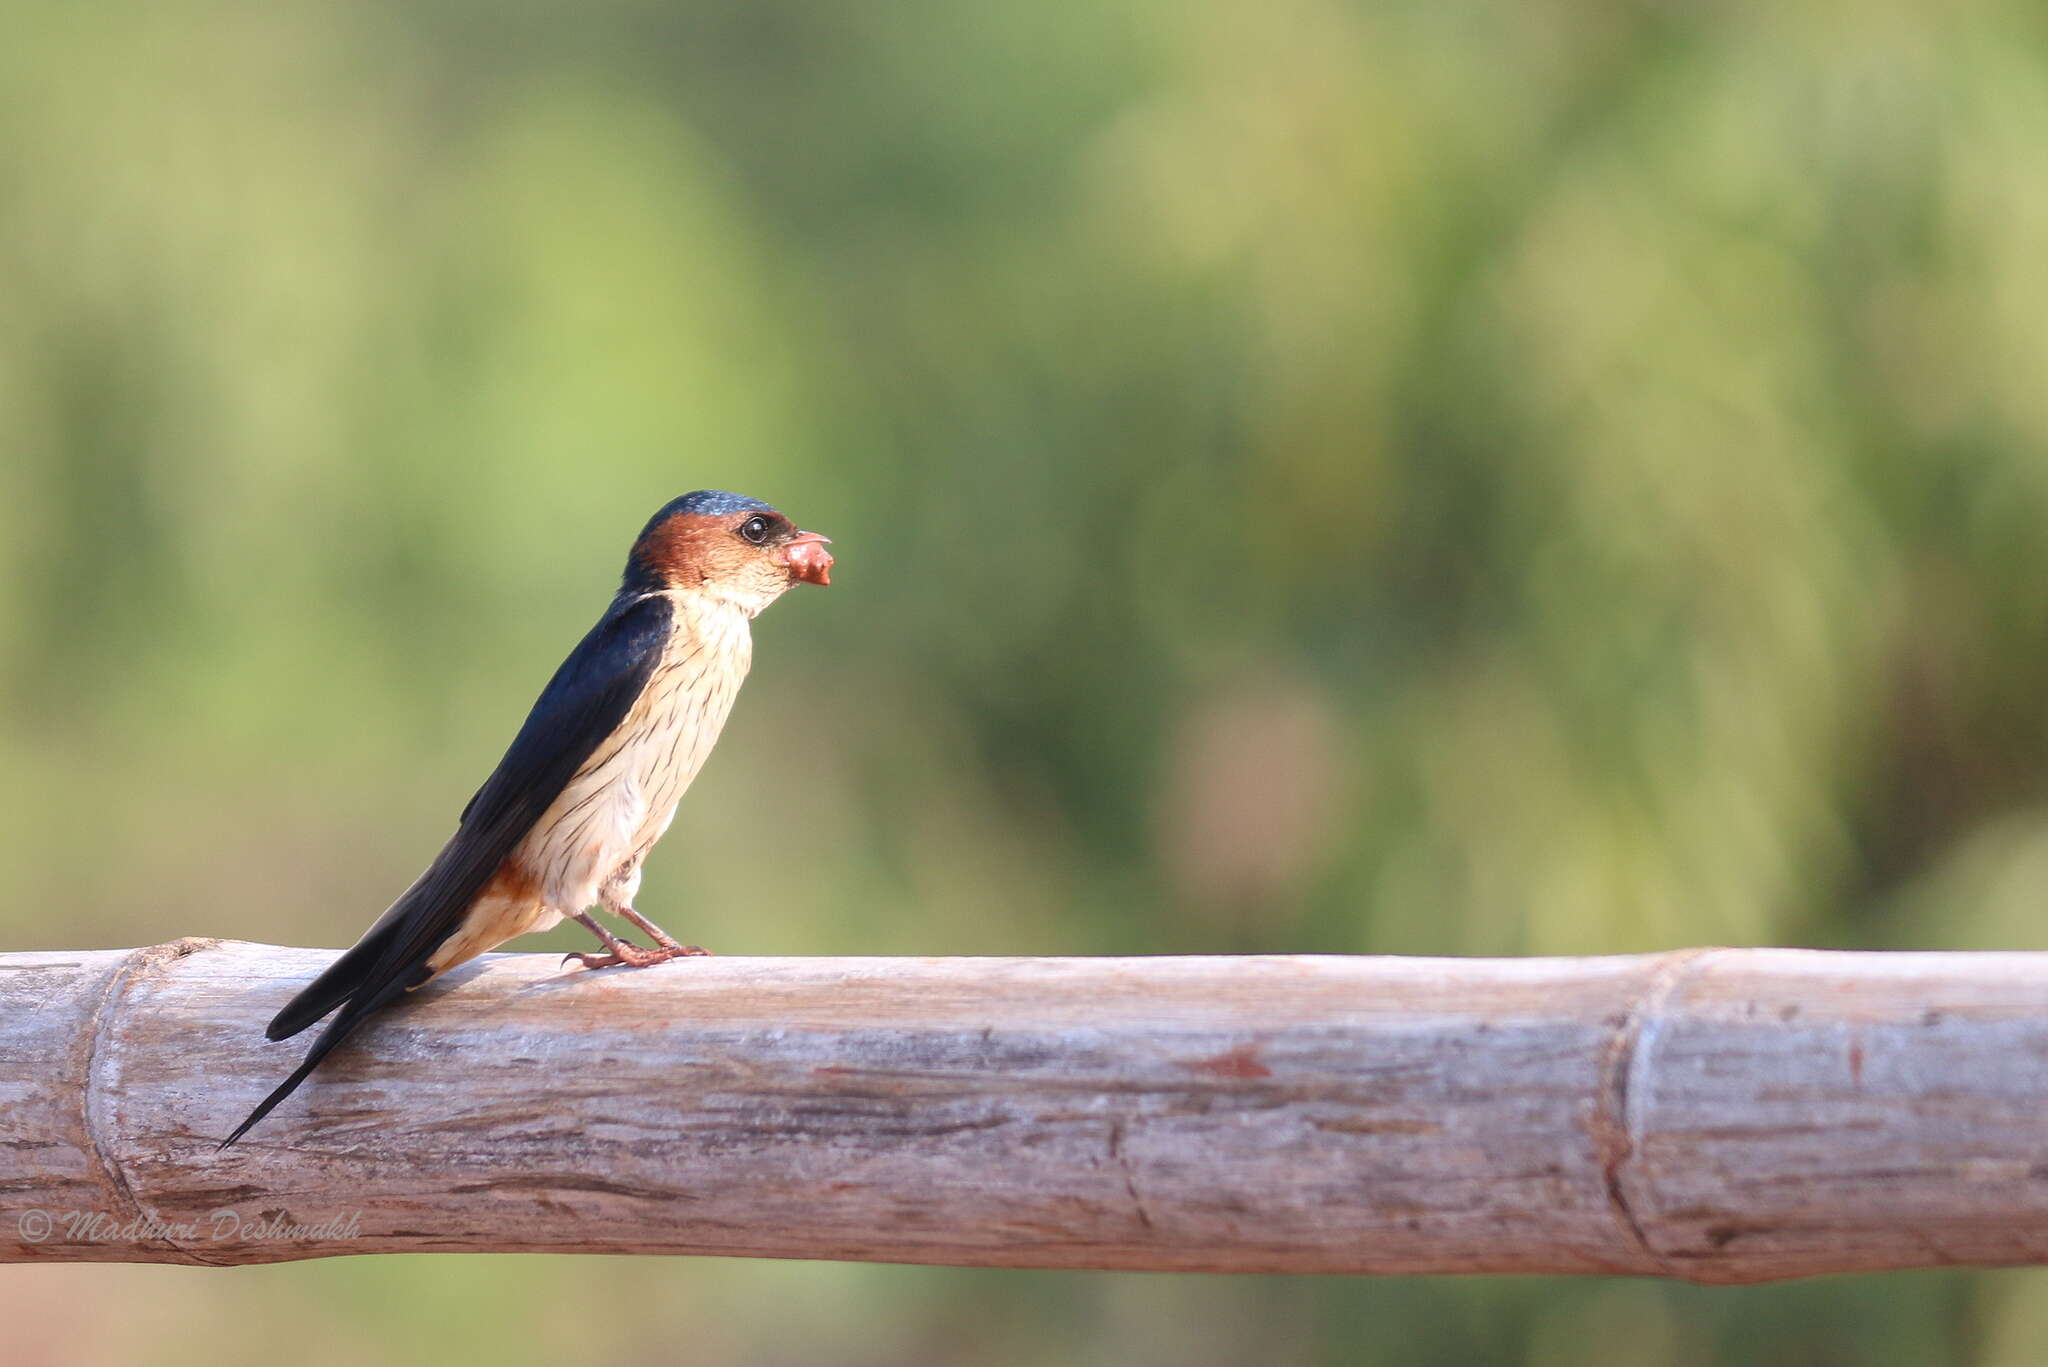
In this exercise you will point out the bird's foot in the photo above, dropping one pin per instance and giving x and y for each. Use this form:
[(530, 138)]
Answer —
[(660, 936), (670, 949), (632, 956)]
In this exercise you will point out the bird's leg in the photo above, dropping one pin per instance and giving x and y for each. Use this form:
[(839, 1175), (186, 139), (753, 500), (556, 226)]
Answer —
[(662, 937), (625, 951), (621, 951)]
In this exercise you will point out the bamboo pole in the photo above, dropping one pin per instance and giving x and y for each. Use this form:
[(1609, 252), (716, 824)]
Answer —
[(1713, 1115)]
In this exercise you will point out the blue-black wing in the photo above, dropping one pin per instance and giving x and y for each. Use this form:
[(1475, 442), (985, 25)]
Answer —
[(582, 705)]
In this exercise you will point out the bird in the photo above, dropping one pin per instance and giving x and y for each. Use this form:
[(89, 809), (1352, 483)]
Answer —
[(592, 779)]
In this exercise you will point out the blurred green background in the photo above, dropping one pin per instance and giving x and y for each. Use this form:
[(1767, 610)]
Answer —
[(1505, 478)]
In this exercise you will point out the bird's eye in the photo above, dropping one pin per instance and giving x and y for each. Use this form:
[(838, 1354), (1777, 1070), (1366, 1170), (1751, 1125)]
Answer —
[(755, 529)]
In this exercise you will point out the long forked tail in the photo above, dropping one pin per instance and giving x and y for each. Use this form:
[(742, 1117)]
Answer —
[(338, 1029)]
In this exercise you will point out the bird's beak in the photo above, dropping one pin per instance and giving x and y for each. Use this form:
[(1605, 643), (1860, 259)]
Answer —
[(807, 558)]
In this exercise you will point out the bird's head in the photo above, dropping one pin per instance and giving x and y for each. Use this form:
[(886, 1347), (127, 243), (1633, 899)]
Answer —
[(729, 547)]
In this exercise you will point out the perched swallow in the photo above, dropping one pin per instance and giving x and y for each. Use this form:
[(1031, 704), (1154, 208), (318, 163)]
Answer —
[(592, 779)]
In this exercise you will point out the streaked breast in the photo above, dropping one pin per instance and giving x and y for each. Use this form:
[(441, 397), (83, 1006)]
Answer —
[(622, 798)]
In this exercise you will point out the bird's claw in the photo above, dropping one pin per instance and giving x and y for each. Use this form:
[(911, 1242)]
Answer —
[(632, 956)]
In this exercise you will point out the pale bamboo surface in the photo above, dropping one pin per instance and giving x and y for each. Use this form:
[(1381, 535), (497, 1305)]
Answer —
[(1716, 1115)]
